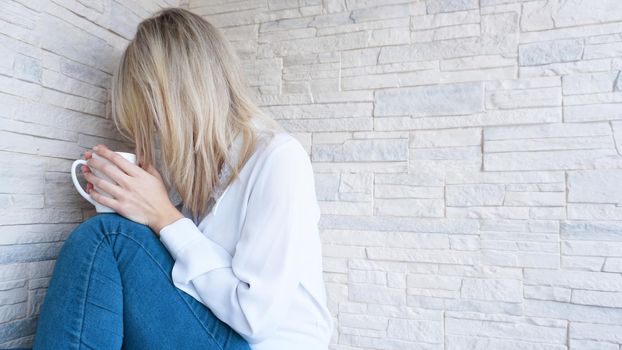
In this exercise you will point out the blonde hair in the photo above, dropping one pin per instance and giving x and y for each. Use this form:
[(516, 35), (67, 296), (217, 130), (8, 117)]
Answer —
[(180, 80)]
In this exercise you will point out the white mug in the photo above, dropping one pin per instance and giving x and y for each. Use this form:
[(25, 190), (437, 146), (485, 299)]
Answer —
[(100, 208)]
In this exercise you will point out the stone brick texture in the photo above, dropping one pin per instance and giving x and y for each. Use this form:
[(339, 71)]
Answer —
[(467, 156)]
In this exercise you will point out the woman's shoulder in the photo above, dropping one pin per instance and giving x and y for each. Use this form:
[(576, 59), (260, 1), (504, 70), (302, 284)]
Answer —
[(283, 147), (271, 139)]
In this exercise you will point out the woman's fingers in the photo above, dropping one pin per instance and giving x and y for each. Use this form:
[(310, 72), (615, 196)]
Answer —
[(107, 201), (85, 169), (125, 165), (87, 155), (110, 170), (108, 187)]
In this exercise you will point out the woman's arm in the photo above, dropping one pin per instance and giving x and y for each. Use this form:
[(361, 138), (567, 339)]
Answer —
[(252, 290)]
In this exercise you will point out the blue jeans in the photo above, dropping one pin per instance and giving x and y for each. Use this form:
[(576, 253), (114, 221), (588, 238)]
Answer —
[(111, 288)]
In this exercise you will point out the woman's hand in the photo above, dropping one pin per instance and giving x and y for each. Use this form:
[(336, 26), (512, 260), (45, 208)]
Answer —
[(139, 194)]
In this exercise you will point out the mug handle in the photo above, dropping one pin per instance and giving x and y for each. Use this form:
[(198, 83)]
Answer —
[(74, 178)]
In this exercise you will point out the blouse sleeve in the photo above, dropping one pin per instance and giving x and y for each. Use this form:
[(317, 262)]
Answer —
[(252, 290)]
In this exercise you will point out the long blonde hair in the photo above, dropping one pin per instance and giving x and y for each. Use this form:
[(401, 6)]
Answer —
[(179, 79)]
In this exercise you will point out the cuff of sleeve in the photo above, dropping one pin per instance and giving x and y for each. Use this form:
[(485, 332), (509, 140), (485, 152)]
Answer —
[(193, 252), (179, 234)]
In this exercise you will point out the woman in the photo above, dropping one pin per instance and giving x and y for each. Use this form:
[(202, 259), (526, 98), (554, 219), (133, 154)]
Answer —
[(237, 265)]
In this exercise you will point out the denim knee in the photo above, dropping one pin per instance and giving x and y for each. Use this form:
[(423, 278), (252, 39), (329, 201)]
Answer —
[(104, 225)]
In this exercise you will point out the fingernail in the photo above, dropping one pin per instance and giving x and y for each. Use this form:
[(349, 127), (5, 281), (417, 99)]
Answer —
[(95, 148)]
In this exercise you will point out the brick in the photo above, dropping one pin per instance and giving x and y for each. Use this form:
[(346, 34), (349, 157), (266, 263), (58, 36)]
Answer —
[(362, 150), (70, 41), (376, 294), (33, 129), (598, 332), (588, 83), (587, 12), (613, 265), (580, 211), (363, 321), (422, 255), (547, 293), (369, 277), (38, 146), (436, 6), (545, 160), (591, 344), (434, 282), (389, 36), (406, 191), (21, 173), (525, 198), (443, 49), (511, 99), (499, 32), (430, 100), (391, 11), (550, 52), (476, 62), (592, 112), (599, 281), (474, 195), (13, 330), (537, 15), (561, 68), (505, 327), (409, 207), (29, 252), (449, 153), (547, 130), (416, 330), (549, 143), (445, 138), (27, 68), (332, 110), (583, 263), (457, 342), (445, 19), (492, 289), (313, 45), (571, 312), (21, 201), (359, 57), (20, 14), (595, 186), (597, 298)]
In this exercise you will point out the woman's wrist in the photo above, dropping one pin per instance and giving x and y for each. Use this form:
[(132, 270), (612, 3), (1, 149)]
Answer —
[(168, 217)]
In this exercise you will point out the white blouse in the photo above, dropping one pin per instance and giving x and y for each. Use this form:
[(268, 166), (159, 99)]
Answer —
[(255, 260)]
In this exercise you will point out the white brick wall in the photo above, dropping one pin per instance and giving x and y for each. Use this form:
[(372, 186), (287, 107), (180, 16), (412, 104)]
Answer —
[(468, 159), (56, 59), (467, 156)]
